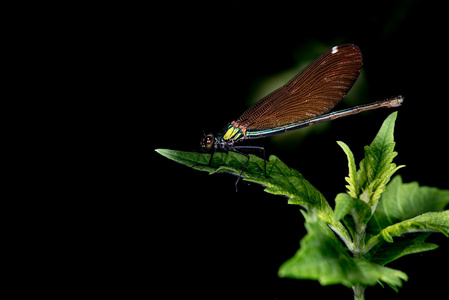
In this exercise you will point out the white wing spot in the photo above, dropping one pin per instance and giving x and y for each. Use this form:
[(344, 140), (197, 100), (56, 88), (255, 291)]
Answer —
[(334, 49)]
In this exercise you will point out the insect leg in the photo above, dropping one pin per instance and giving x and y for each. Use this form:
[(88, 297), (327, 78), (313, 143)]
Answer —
[(236, 150), (262, 149), (244, 166)]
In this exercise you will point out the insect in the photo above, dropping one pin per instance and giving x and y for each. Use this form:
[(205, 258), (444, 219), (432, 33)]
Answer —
[(301, 102)]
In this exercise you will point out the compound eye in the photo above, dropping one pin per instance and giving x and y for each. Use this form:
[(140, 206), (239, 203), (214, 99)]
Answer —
[(207, 141)]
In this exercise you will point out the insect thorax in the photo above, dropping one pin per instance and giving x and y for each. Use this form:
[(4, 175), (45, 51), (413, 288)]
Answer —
[(234, 131)]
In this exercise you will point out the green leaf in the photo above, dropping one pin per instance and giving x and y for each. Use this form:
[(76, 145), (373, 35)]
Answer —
[(353, 187), (322, 257), (402, 201), (405, 210), (385, 253), (189, 159), (358, 210), (280, 179), (428, 222), (377, 167), (343, 205)]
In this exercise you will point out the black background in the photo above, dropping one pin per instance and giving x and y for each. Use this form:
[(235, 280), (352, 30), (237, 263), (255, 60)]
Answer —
[(163, 73)]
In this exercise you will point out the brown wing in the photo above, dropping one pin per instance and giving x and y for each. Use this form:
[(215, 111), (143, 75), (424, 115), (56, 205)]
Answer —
[(312, 92)]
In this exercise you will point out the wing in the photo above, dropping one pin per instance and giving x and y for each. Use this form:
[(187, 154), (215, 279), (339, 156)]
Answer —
[(312, 92)]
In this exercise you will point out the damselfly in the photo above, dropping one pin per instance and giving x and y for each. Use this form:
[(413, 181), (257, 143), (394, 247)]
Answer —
[(301, 102)]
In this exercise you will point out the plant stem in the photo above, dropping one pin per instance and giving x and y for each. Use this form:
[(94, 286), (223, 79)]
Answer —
[(359, 292), (359, 245)]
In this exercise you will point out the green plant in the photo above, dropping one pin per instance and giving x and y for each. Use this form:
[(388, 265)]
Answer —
[(375, 222)]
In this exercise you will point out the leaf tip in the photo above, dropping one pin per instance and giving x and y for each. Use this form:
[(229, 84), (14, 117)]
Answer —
[(163, 152)]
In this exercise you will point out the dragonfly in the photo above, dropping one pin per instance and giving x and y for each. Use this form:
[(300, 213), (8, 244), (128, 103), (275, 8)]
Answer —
[(304, 100)]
